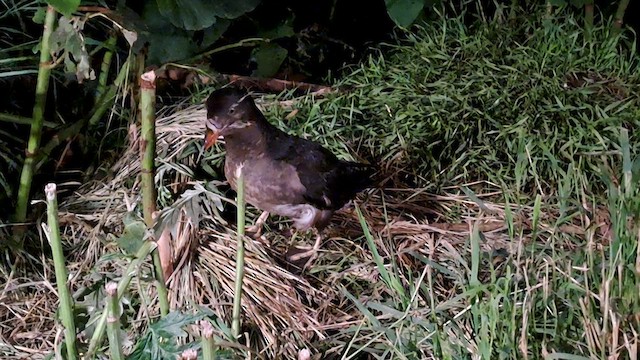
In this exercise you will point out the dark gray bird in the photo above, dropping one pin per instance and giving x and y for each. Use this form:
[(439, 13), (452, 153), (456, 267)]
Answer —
[(284, 174)]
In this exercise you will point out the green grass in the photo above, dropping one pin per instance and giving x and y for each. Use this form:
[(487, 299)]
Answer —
[(454, 105)]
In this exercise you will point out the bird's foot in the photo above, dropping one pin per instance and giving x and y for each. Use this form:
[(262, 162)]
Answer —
[(295, 255), (255, 230)]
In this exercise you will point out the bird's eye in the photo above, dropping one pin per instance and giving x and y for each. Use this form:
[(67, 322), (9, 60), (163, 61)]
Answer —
[(232, 110)]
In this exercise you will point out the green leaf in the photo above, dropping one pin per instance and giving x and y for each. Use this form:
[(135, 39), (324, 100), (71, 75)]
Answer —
[(212, 34), (170, 43), (65, 7), (68, 42), (38, 16), (404, 12), (133, 235), (201, 14), (284, 29), (166, 48), (268, 57), (160, 341)]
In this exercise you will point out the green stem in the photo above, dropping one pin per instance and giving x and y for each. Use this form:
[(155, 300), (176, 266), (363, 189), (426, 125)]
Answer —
[(588, 17), (148, 150), (16, 119), (98, 333), (241, 43), (619, 19), (512, 10), (208, 343), (237, 297), (113, 321), (104, 70), (42, 87), (101, 108), (66, 304)]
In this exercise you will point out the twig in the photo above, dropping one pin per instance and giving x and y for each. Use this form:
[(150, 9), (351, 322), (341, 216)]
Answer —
[(278, 85)]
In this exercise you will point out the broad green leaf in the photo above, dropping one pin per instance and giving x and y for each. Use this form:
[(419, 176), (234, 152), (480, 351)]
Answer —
[(133, 235), (404, 12), (284, 29), (201, 14), (268, 57), (212, 34), (170, 43), (65, 7)]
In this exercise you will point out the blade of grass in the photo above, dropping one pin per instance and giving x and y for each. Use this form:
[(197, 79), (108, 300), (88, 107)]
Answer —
[(391, 280)]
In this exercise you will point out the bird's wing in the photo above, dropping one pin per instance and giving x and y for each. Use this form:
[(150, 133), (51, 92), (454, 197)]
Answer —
[(315, 166), (329, 182)]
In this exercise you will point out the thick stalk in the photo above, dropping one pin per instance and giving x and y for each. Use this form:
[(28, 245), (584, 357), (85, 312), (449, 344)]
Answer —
[(148, 151), (619, 19), (66, 304), (237, 296), (42, 87), (113, 321), (207, 343)]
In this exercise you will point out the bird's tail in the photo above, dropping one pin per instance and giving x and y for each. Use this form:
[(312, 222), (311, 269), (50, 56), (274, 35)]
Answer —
[(358, 176)]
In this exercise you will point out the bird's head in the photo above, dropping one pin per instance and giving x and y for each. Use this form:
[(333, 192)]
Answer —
[(228, 110)]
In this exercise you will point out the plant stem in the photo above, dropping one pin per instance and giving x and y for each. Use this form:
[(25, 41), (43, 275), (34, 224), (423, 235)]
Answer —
[(42, 87), (113, 323), (104, 71), (237, 297), (588, 17), (242, 43), (141, 255), (619, 19), (512, 10), (208, 344), (148, 150), (16, 119), (66, 304)]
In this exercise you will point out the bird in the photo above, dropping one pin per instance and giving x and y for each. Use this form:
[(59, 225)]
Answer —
[(284, 174)]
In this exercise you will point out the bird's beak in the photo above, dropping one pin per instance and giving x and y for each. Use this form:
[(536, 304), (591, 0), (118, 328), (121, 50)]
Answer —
[(210, 138)]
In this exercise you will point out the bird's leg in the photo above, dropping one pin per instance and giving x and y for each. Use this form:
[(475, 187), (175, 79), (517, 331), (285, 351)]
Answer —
[(312, 253), (256, 229)]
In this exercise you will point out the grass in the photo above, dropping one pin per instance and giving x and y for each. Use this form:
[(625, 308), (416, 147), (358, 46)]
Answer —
[(505, 226)]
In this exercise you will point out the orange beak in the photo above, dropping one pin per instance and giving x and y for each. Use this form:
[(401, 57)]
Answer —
[(210, 138)]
